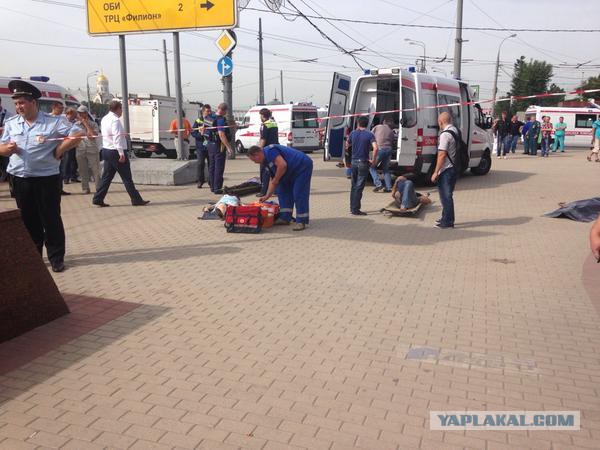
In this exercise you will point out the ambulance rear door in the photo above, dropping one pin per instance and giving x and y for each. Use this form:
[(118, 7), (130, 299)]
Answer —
[(339, 102)]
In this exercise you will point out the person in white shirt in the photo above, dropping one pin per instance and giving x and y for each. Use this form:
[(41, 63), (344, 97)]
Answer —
[(114, 147)]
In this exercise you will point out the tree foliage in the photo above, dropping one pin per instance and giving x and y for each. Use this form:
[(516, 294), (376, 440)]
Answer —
[(592, 83), (529, 78)]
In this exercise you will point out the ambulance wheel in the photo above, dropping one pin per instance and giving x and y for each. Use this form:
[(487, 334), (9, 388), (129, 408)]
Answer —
[(484, 165), (239, 147)]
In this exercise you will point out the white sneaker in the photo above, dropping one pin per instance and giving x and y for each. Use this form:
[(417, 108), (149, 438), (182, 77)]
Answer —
[(499, 157), (506, 157)]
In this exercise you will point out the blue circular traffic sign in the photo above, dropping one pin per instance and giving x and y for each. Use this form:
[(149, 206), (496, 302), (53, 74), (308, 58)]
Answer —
[(225, 66)]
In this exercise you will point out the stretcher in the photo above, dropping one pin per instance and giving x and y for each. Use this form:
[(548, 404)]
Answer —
[(392, 210)]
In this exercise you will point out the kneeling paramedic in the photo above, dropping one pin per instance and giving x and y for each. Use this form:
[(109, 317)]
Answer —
[(290, 171)]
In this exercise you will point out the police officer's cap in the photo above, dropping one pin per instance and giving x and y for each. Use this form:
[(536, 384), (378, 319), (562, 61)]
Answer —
[(20, 88)]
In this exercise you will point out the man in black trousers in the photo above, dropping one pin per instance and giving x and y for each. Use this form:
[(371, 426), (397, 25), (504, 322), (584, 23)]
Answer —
[(33, 141), (114, 155)]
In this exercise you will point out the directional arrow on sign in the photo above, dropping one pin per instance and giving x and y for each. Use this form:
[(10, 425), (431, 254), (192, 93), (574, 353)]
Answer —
[(207, 5)]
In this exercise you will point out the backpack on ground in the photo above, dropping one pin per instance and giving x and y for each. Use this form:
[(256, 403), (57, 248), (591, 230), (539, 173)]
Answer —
[(462, 152)]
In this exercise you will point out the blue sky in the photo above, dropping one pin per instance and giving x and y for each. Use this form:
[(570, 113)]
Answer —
[(288, 43)]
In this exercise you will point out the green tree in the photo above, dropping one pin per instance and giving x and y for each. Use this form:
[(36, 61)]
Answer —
[(591, 83), (529, 78)]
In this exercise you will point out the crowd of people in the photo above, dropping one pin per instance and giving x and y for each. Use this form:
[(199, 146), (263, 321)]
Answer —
[(41, 160), (533, 133)]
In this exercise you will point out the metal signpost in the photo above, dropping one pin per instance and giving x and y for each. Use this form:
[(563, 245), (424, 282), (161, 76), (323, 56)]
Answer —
[(226, 42), (121, 17)]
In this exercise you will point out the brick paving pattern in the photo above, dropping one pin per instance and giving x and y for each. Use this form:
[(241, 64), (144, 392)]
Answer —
[(340, 337)]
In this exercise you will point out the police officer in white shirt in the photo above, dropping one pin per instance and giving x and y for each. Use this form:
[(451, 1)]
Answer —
[(114, 155)]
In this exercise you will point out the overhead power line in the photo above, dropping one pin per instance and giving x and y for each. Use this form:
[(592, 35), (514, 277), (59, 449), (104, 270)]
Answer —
[(437, 27), (322, 33)]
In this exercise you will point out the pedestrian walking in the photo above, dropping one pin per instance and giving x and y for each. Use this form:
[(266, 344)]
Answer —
[(183, 154), (546, 136), (362, 141), (595, 141), (503, 138), (385, 137), (560, 130), (219, 146), (290, 173), (114, 155), (269, 135), (30, 140), (87, 152), (514, 132), (445, 173), (200, 133)]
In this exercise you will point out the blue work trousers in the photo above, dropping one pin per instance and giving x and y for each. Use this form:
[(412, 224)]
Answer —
[(216, 166), (265, 178), (531, 142), (202, 157), (294, 190)]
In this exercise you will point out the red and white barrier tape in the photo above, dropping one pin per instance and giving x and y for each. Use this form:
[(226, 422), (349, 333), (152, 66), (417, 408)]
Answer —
[(344, 116)]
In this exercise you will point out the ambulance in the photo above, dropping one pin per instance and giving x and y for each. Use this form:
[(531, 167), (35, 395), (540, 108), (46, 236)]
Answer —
[(579, 121), (297, 123), (50, 93), (422, 97), (150, 119)]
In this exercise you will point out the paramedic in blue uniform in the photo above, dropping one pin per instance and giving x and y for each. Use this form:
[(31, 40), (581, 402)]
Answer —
[(290, 171), (29, 140), (269, 135)]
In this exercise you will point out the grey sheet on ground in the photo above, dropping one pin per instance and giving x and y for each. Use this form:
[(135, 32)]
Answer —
[(581, 210)]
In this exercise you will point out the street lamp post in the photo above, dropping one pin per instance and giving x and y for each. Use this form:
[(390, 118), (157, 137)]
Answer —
[(495, 89), (421, 44), (87, 81)]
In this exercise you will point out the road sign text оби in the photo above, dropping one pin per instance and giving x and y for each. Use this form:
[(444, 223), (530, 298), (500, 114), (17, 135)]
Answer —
[(141, 16)]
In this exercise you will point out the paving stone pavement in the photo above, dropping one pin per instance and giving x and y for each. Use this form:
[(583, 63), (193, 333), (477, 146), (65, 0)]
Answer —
[(340, 337)]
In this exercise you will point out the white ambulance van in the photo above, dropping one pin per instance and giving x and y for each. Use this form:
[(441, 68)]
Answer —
[(579, 121), (150, 118), (297, 123), (50, 93), (420, 96)]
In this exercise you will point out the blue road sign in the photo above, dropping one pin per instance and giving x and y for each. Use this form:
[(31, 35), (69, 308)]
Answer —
[(225, 66)]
